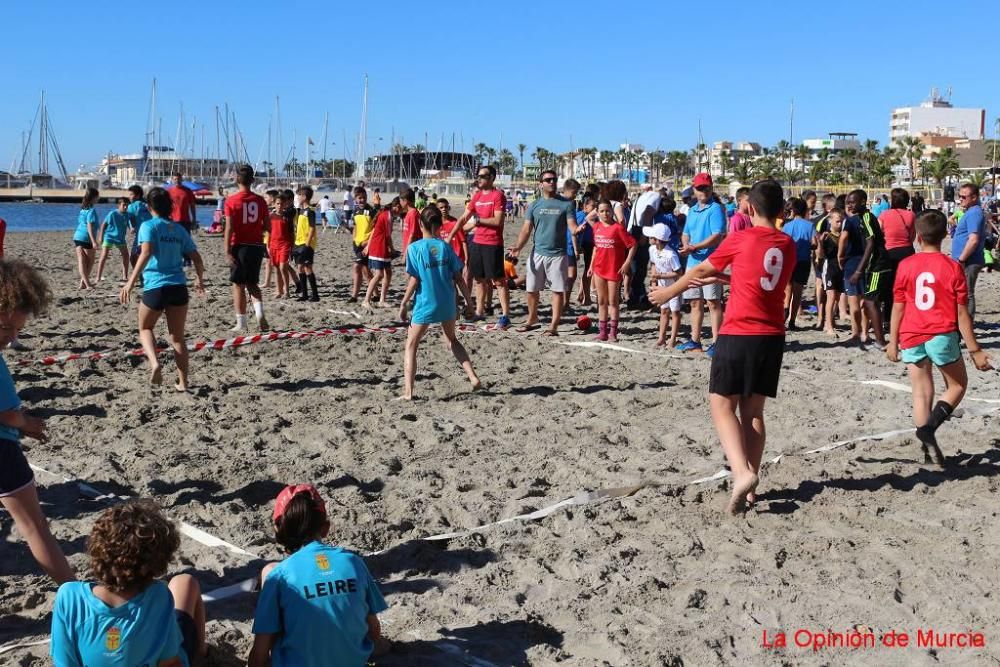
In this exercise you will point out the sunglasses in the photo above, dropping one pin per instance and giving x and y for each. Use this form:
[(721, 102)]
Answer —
[(549, 180), (483, 176), (703, 188)]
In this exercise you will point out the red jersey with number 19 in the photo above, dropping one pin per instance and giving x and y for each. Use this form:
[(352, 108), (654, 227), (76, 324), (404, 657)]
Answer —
[(762, 260), (932, 285), (246, 212)]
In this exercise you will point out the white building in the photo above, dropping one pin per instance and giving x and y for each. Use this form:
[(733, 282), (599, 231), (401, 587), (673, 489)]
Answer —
[(937, 116)]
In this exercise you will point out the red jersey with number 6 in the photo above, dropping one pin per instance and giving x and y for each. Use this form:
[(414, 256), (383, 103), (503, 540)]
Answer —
[(931, 285), (247, 213), (762, 261)]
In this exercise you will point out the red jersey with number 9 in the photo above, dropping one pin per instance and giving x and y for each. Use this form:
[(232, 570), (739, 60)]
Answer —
[(247, 214), (762, 261), (931, 285)]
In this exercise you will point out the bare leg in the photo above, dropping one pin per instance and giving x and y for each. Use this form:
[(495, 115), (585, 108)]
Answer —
[(501, 286), (372, 284), (793, 308), (697, 315), (557, 311), (854, 303), (100, 264), (675, 327), (731, 435), (480, 298), (613, 297), (661, 338), (125, 264), (715, 315), (875, 318), (457, 349), (81, 267), (922, 385), (27, 514), (532, 308), (413, 336), (147, 320), (602, 298), (831, 304), (754, 433), (956, 380), (187, 598), (176, 319), (386, 280)]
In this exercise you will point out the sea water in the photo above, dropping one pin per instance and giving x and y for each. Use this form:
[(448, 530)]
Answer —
[(28, 217)]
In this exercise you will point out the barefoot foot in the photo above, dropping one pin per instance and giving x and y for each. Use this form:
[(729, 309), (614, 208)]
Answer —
[(741, 488), (156, 375)]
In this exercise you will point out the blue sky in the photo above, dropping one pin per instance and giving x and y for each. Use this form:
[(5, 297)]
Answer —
[(535, 73)]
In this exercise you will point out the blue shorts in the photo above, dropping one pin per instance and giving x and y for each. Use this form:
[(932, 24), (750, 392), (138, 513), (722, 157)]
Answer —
[(942, 350), (850, 267), (378, 265)]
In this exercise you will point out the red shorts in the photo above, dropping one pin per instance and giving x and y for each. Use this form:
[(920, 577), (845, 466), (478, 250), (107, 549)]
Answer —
[(280, 254)]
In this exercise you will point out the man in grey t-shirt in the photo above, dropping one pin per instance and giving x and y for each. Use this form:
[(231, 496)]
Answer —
[(549, 216)]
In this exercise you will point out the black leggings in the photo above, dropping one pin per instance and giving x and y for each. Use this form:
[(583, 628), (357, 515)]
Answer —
[(896, 255)]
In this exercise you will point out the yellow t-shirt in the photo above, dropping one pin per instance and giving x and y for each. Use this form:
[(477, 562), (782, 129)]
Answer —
[(305, 222), (363, 224)]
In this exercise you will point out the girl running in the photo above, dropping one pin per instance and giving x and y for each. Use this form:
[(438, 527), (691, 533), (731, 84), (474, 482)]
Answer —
[(165, 244), (85, 236), (614, 249)]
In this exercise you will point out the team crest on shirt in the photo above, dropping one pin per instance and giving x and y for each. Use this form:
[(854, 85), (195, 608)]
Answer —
[(322, 562), (434, 251), (113, 639)]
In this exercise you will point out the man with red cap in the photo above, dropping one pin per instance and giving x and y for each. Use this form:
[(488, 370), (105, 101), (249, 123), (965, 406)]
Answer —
[(703, 232)]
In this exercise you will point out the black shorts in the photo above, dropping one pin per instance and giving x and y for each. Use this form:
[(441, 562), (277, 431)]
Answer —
[(877, 286), (15, 473), (303, 255), (360, 257), (86, 245), (168, 296), (189, 633), (486, 261), (800, 275), (745, 365), (833, 276), (246, 270)]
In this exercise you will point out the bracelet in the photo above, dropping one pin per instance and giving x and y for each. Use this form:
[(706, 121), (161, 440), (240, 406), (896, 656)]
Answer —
[(974, 351)]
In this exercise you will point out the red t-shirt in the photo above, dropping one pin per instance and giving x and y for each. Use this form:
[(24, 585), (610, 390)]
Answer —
[(183, 200), (763, 260), (378, 242), (246, 212), (282, 229), (739, 222), (411, 228), (458, 242), (3, 232), (897, 226), (611, 246), (932, 285), (487, 205)]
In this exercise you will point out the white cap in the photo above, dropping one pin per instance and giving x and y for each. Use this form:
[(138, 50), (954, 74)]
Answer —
[(659, 231)]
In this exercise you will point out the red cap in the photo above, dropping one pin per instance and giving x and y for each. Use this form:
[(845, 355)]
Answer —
[(289, 492), (701, 179)]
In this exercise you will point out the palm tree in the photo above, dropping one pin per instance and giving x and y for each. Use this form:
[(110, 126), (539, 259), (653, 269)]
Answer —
[(943, 166), (506, 163), (605, 158), (791, 176), (978, 178), (766, 167), (882, 173), (913, 150), (520, 151), (743, 172), (480, 151), (783, 148), (818, 172), (870, 152), (725, 163), (847, 160), (801, 154)]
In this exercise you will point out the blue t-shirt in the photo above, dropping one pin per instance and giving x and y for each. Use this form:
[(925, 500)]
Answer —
[(879, 207), (170, 243), (86, 221), (550, 217), (86, 632), (670, 221), (586, 235), (972, 222), (9, 400), (730, 209), (703, 222), (137, 213), (434, 264), (801, 231), (317, 601), (855, 240), (114, 227)]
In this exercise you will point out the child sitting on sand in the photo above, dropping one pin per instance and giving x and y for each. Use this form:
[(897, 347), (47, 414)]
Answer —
[(112, 235), (747, 361), (434, 271), (126, 616), (664, 269), (929, 311), (23, 294), (319, 605), (614, 249)]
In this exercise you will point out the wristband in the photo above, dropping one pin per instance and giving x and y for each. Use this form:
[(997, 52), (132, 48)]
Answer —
[(974, 351)]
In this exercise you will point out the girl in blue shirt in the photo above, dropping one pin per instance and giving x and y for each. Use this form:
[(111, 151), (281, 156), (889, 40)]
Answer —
[(112, 235), (318, 606), (126, 616), (164, 246), (85, 236), (434, 271), (23, 293)]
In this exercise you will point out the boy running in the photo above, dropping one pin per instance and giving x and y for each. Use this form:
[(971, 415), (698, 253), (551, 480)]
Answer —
[(304, 251), (747, 361), (930, 309), (243, 244)]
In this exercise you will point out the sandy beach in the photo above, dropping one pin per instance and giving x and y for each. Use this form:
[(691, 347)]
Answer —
[(863, 536)]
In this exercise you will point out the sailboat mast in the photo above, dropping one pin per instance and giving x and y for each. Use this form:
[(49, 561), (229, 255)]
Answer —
[(362, 136)]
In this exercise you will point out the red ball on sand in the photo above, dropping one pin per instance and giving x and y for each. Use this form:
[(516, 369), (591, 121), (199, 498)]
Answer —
[(583, 323)]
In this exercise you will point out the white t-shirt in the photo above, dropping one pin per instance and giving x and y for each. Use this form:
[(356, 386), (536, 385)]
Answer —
[(665, 261), (645, 200), (324, 204)]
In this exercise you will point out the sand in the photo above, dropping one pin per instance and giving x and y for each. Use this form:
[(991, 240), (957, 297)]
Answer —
[(864, 536)]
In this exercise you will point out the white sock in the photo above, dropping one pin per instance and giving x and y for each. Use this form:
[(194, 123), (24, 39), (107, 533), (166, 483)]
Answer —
[(241, 321), (258, 309)]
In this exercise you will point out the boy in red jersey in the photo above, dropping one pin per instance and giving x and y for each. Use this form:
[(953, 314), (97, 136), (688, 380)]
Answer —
[(747, 360), (929, 310), (243, 239), (378, 249), (456, 238), (279, 242)]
